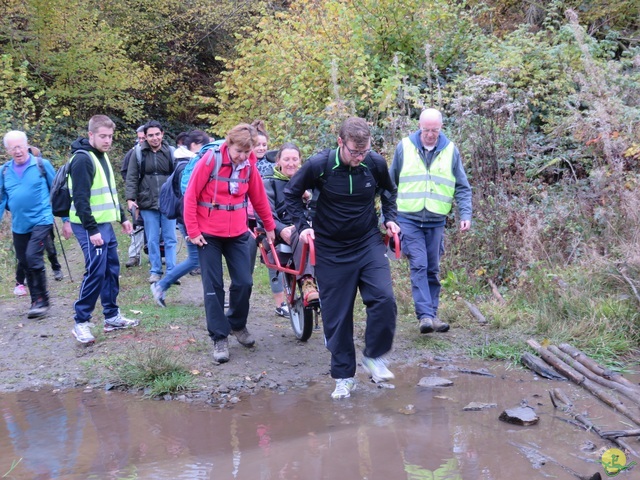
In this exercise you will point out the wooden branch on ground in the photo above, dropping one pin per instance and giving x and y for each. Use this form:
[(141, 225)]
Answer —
[(475, 312), (595, 368), (538, 366), (633, 287), (630, 393), (560, 400), (621, 433), (537, 458), (580, 379), (496, 292)]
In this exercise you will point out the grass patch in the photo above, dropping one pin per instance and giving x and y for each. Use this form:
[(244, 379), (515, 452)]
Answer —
[(156, 369), (435, 345), (510, 352)]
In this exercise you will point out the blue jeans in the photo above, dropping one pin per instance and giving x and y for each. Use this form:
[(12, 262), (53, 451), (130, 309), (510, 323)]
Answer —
[(421, 244), (153, 222), (101, 275), (183, 267)]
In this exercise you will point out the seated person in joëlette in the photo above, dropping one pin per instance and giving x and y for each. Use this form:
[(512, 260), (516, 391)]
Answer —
[(288, 162)]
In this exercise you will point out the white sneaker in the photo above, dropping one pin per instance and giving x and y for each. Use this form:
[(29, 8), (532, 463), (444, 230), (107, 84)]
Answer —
[(118, 322), (20, 290), (377, 368), (283, 310), (82, 332), (344, 387)]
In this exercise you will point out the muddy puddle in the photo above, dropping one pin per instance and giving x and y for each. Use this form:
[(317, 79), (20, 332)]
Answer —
[(408, 432)]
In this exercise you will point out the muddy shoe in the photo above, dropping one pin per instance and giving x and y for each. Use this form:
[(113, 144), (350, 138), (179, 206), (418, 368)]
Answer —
[(133, 262), (244, 337), (38, 309), (309, 290), (426, 325), (58, 275), (377, 368), (440, 326), (82, 332), (344, 387), (282, 310), (221, 350), (118, 322)]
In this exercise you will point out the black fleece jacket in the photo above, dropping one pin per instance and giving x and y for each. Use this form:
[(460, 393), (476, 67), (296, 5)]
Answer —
[(345, 214), (81, 173)]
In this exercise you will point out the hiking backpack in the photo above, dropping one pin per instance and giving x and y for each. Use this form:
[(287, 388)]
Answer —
[(170, 200), (188, 169), (172, 191), (60, 195)]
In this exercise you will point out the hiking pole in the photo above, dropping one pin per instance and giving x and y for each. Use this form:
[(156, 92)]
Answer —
[(62, 248)]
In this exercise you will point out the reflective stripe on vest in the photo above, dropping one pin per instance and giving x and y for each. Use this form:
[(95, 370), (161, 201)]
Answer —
[(104, 203), (420, 188)]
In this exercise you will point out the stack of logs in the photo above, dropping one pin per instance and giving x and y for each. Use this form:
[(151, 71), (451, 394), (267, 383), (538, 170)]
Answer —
[(580, 369)]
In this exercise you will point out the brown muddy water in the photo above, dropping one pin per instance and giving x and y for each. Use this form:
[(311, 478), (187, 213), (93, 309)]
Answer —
[(408, 432)]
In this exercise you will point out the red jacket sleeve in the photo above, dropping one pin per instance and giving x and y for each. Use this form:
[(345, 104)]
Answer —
[(259, 198)]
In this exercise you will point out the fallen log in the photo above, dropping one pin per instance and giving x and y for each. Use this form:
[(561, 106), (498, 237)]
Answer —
[(559, 398), (583, 381), (496, 292), (540, 367), (595, 368), (621, 433), (630, 393), (475, 311)]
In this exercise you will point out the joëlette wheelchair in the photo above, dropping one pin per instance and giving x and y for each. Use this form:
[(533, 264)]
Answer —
[(304, 316)]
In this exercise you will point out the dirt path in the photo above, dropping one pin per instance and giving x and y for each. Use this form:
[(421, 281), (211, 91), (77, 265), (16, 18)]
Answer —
[(42, 353)]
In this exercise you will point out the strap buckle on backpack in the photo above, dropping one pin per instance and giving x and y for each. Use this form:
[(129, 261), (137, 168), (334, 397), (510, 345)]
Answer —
[(212, 206)]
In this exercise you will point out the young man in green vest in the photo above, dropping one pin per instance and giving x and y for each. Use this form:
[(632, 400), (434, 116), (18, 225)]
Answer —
[(94, 207), (429, 174)]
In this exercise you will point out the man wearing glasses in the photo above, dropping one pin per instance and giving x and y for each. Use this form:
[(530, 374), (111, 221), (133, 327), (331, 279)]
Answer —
[(24, 191), (430, 175), (350, 253)]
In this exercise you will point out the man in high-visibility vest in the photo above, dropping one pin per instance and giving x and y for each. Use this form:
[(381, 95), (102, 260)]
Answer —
[(430, 176), (94, 207)]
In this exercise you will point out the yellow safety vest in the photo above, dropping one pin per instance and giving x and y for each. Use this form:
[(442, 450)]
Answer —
[(420, 188), (104, 203)]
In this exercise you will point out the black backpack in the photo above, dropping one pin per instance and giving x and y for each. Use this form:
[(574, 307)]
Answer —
[(60, 196), (170, 200)]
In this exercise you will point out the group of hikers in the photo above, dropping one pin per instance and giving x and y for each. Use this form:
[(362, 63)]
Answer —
[(226, 189)]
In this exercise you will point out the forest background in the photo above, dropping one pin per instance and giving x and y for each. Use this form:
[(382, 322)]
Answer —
[(542, 99)]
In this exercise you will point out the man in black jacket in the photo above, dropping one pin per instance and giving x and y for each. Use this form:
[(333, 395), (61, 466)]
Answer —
[(350, 253), (149, 168), (94, 206)]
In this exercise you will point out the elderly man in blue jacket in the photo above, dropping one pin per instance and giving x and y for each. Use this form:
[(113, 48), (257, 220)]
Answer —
[(24, 191), (429, 174)]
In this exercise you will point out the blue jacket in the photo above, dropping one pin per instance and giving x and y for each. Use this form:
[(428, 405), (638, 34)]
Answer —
[(463, 189), (27, 198)]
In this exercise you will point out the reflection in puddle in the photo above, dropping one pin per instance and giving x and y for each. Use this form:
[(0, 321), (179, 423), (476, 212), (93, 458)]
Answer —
[(408, 432)]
